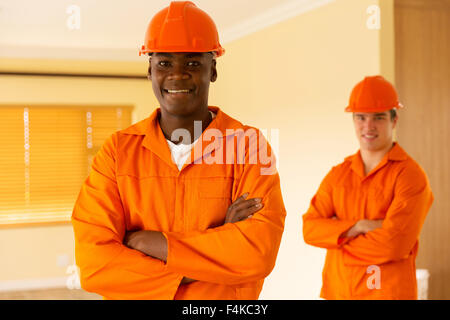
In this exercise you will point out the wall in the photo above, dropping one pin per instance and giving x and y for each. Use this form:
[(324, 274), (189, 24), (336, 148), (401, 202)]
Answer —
[(422, 29), (295, 76)]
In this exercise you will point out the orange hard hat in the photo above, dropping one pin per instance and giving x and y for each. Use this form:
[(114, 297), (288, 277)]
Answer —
[(373, 94), (182, 27)]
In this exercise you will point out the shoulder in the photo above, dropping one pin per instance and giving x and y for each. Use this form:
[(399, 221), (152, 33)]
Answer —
[(138, 128), (226, 122), (231, 127), (338, 171), (409, 171), (405, 165), (409, 176), (133, 135)]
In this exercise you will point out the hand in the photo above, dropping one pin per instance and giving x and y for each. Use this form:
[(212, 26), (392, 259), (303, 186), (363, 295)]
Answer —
[(187, 280), (239, 210), (131, 239), (152, 243), (242, 209), (362, 227), (369, 225)]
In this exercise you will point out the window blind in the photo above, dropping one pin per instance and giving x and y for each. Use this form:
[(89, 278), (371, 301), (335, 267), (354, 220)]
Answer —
[(46, 154)]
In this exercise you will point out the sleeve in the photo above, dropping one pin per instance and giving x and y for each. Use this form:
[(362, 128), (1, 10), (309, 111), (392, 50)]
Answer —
[(401, 227), (319, 229), (235, 252), (108, 267)]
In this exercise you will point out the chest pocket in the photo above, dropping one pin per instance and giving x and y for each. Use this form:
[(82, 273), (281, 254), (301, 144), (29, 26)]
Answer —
[(378, 202), (346, 209), (211, 198)]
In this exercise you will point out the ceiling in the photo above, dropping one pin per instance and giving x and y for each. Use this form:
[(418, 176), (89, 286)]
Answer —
[(116, 28)]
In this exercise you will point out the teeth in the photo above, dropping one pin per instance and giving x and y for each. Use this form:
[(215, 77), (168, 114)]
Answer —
[(178, 91)]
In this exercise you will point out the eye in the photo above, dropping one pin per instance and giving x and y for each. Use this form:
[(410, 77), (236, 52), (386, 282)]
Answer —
[(163, 63), (193, 64)]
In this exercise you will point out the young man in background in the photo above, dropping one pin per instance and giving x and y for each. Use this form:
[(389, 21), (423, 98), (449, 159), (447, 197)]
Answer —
[(369, 210)]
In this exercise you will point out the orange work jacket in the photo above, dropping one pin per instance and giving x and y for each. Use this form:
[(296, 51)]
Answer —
[(381, 263), (135, 185)]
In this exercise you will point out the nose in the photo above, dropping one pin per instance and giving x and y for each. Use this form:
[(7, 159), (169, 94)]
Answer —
[(178, 73), (369, 124)]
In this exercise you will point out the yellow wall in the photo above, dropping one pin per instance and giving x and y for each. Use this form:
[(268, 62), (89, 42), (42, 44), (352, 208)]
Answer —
[(295, 76)]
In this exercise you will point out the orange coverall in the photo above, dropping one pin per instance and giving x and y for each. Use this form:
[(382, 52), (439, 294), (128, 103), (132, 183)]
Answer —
[(398, 191), (134, 185)]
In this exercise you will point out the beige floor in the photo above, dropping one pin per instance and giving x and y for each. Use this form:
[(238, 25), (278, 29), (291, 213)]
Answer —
[(50, 294)]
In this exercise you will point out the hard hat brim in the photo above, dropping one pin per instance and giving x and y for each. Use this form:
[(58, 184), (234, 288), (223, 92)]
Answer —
[(218, 52), (351, 109)]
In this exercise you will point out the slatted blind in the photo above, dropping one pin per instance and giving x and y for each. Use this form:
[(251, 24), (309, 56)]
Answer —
[(46, 154)]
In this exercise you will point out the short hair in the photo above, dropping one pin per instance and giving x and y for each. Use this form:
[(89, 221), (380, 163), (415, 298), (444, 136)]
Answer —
[(393, 113)]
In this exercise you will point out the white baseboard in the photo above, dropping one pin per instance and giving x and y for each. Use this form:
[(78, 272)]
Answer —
[(33, 284)]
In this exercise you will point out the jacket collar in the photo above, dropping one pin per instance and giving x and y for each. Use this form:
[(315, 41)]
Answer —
[(396, 153), (155, 141)]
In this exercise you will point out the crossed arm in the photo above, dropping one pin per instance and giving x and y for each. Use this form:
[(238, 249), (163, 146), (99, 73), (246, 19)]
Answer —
[(154, 243), (323, 229), (240, 251), (369, 242), (362, 227)]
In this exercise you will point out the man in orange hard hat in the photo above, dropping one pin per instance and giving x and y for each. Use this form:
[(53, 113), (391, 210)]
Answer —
[(369, 210), (169, 210)]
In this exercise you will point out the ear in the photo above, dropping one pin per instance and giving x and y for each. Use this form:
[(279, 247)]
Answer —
[(149, 72), (394, 121), (213, 70)]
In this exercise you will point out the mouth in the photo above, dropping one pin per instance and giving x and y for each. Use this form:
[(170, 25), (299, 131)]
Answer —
[(370, 137), (178, 91)]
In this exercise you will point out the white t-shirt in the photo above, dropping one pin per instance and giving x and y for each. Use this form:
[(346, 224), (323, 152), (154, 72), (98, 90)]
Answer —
[(181, 152)]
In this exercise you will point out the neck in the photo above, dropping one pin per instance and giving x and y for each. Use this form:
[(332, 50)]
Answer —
[(169, 123), (371, 158)]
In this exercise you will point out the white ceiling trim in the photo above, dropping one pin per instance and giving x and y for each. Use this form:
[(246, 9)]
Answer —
[(270, 17)]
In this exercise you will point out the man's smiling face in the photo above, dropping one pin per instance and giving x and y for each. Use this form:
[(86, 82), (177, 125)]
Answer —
[(374, 130), (181, 81)]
